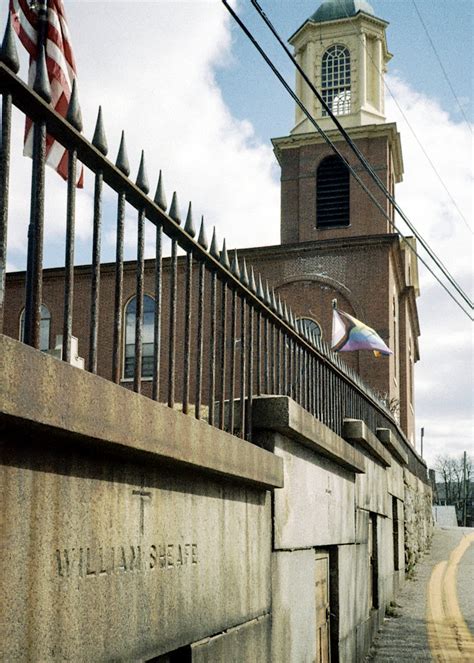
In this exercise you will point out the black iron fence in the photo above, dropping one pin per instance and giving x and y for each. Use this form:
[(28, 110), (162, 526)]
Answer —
[(219, 342)]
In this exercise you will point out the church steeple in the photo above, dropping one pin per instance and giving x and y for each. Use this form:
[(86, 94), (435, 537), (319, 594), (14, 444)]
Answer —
[(342, 49)]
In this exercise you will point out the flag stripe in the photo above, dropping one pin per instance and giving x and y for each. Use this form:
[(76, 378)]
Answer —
[(61, 69)]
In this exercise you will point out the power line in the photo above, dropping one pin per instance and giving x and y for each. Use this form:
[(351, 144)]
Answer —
[(441, 65), (335, 149), (407, 121), (366, 165)]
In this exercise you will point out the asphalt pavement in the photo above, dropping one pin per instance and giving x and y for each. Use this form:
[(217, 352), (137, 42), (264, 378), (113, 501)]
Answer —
[(435, 611)]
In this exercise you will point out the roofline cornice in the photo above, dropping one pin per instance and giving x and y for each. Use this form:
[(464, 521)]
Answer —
[(335, 21)]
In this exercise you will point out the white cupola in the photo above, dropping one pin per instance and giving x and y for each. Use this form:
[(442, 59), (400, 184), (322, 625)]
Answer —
[(342, 49)]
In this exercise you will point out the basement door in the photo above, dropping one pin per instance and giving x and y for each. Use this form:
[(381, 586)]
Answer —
[(323, 649)]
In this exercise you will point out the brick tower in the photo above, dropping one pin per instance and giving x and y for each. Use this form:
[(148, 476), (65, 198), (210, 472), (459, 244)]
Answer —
[(336, 243)]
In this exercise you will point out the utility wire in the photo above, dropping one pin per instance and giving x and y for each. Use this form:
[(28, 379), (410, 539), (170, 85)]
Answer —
[(335, 149), (356, 34), (441, 65), (365, 164)]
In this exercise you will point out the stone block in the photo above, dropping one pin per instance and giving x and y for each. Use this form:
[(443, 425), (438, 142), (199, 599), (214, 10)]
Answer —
[(356, 430), (108, 559), (389, 440), (283, 415), (362, 526), (246, 643), (48, 394), (371, 491), (293, 606), (316, 505), (395, 484)]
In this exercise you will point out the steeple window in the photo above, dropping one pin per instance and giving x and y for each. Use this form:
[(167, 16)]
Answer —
[(336, 79), (332, 193)]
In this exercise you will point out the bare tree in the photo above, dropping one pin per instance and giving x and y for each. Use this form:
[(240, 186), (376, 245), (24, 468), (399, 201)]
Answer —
[(451, 471)]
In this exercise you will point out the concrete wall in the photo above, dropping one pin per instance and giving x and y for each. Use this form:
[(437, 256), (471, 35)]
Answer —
[(333, 489), (124, 540), (130, 530)]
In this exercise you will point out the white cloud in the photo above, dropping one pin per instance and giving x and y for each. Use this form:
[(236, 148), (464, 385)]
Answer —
[(444, 376), (153, 72)]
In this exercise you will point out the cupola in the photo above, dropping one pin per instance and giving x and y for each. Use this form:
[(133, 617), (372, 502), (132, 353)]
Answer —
[(342, 49)]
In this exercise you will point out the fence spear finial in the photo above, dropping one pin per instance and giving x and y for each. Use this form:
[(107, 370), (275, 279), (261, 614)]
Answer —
[(142, 179), (214, 250), (268, 298), (244, 275), (189, 225), (122, 162), (225, 256), (160, 196), (202, 239), (235, 265), (41, 83), (252, 282), (260, 290), (8, 52), (174, 209), (99, 139), (279, 306), (74, 115)]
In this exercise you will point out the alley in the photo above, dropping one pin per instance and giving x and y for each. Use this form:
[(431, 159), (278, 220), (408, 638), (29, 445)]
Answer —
[(434, 614)]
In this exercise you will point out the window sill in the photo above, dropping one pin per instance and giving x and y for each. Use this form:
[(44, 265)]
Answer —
[(338, 227), (128, 380)]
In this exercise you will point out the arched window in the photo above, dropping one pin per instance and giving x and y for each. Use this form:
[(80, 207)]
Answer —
[(45, 327), (312, 326), (336, 79), (147, 337), (332, 193)]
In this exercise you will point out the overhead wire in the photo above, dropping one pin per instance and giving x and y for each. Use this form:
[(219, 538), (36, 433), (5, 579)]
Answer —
[(350, 168), (366, 165), (443, 184), (442, 66)]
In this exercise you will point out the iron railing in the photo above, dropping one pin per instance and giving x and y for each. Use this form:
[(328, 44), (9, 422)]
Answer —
[(236, 338)]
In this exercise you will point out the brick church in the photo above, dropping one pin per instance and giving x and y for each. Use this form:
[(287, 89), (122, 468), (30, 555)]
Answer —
[(335, 244)]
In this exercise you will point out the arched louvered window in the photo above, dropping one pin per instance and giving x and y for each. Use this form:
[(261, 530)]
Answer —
[(45, 327), (332, 193), (147, 337), (336, 79)]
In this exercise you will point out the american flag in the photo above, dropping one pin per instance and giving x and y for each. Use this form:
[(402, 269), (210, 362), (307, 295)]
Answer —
[(61, 71)]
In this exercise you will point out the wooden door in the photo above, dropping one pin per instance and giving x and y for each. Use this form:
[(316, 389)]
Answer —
[(323, 649)]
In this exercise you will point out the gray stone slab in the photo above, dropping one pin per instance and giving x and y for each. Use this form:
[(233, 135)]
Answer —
[(49, 394), (282, 414), (316, 506), (356, 430), (246, 643), (362, 525), (389, 440), (395, 482), (372, 489), (106, 560), (293, 606)]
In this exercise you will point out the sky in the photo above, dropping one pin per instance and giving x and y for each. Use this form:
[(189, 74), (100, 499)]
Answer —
[(188, 88)]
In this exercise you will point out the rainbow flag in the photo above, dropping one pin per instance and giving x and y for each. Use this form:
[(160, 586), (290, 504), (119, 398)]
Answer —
[(349, 334)]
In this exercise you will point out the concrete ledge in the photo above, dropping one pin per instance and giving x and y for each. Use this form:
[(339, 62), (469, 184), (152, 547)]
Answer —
[(356, 430), (389, 441), (282, 414), (49, 394)]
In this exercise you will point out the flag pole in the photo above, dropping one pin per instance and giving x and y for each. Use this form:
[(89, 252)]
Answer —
[(42, 23)]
